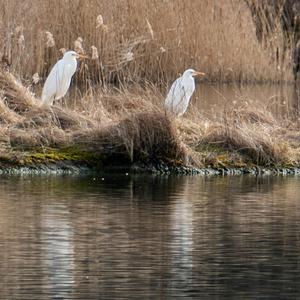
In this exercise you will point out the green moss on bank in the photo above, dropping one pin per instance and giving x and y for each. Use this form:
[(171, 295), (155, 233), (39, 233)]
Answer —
[(72, 154), (211, 156), (216, 156)]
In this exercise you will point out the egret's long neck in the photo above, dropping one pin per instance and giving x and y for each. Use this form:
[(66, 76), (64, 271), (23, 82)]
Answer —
[(187, 77), (71, 60)]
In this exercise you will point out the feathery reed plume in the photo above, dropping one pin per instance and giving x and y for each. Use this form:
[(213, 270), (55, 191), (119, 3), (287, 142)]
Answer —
[(19, 30), (128, 56), (63, 50), (49, 39), (21, 41), (99, 21), (100, 24), (95, 54), (35, 78), (78, 45)]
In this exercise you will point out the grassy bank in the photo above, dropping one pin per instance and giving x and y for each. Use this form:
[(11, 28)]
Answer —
[(125, 128)]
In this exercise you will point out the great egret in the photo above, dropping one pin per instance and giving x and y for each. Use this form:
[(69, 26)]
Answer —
[(59, 79), (178, 98)]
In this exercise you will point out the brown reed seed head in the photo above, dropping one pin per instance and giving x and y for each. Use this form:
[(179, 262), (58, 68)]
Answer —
[(78, 46), (35, 78), (95, 54), (99, 21), (49, 39)]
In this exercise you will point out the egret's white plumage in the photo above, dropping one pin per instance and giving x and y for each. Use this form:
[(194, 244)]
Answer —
[(182, 89), (59, 79)]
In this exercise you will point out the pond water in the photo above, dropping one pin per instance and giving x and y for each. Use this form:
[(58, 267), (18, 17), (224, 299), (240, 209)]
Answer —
[(281, 99), (147, 237)]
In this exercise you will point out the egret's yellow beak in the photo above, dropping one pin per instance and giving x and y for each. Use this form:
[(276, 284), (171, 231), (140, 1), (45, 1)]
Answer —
[(81, 56), (199, 74)]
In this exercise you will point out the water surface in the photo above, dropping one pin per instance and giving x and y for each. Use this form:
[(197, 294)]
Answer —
[(281, 99), (147, 237)]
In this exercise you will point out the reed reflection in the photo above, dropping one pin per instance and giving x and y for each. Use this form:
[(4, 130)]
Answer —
[(57, 250), (149, 236)]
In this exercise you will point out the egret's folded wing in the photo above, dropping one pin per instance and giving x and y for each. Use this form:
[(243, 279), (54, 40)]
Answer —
[(66, 72), (175, 95), (52, 83)]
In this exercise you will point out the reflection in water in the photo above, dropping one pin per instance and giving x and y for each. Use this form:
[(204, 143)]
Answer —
[(149, 237), (57, 250), (182, 232)]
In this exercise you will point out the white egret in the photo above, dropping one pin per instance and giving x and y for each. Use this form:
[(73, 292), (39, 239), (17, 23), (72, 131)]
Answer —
[(182, 89), (59, 78)]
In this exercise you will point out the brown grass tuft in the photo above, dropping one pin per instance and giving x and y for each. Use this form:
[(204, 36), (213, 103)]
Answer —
[(36, 138), (8, 116), (14, 94), (55, 116), (246, 114), (140, 136), (256, 141)]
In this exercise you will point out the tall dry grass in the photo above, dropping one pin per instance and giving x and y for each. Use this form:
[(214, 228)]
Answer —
[(137, 41)]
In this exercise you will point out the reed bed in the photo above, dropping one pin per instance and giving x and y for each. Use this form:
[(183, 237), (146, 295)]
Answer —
[(137, 41)]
